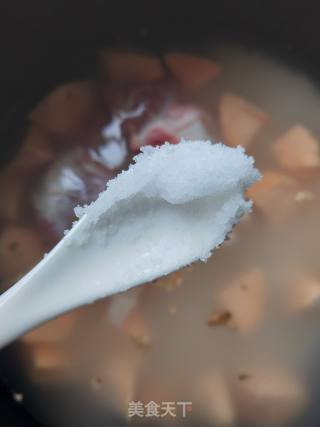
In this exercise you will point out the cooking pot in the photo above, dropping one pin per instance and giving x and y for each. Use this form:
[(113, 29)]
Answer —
[(44, 44)]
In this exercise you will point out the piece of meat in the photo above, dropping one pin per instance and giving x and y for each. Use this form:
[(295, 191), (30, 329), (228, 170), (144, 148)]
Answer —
[(77, 178), (69, 110), (79, 175), (146, 114), (13, 193), (34, 154), (152, 114), (124, 67), (36, 151), (191, 71), (175, 122), (296, 149), (240, 120)]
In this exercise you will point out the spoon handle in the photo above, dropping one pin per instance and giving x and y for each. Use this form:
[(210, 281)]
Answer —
[(37, 297)]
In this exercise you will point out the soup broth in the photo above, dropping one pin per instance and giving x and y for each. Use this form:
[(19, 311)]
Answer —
[(235, 339)]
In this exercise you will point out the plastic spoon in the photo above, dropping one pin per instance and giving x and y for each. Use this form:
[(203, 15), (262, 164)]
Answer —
[(171, 208)]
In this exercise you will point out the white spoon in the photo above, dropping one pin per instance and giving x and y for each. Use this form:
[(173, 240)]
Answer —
[(171, 208)]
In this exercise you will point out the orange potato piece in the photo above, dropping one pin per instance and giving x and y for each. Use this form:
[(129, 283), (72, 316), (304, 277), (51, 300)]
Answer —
[(296, 149), (240, 120), (67, 110), (135, 326), (51, 363), (244, 299), (270, 397), (47, 356), (20, 249), (192, 72), (171, 282), (131, 67), (215, 400), (304, 293), (274, 195), (304, 196), (54, 331)]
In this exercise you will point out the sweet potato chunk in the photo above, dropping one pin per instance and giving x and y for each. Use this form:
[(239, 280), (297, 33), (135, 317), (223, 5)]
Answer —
[(240, 120), (271, 397), (192, 72), (274, 195), (215, 400), (47, 356), (131, 67), (304, 196), (171, 282), (50, 363), (54, 331), (296, 149), (135, 326), (67, 110), (20, 250), (244, 301), (304, 293)]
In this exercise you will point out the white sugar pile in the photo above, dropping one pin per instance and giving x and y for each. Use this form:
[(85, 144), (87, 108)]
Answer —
[(172, 207)]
